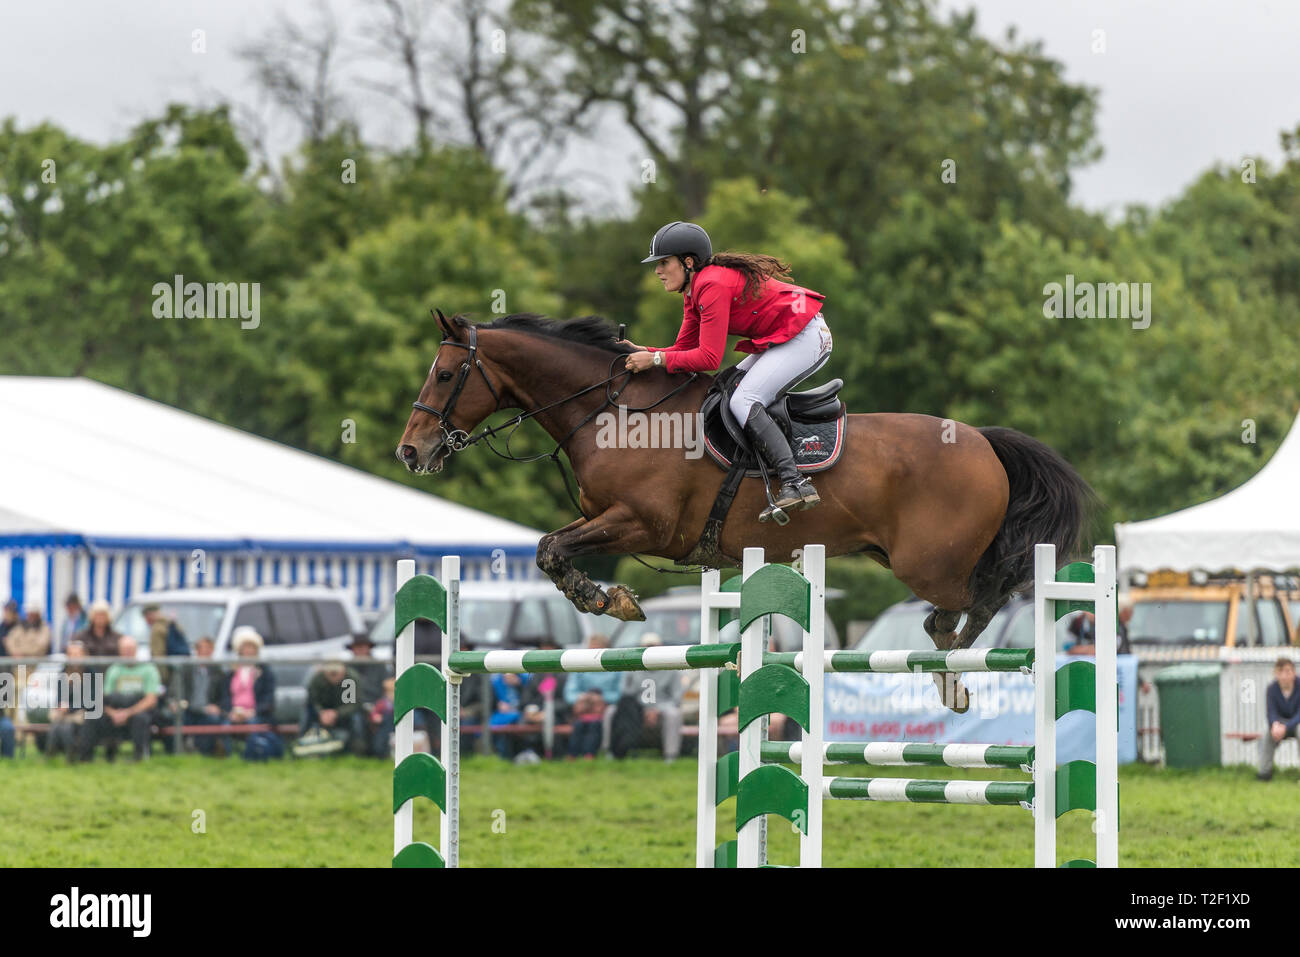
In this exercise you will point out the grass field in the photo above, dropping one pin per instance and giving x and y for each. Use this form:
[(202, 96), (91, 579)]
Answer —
[(638, 812)]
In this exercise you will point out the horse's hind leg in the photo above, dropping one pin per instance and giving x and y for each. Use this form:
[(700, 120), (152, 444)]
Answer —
[(607, 533), (941, 626)]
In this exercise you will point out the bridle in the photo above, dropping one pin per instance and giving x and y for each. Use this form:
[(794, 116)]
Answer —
[(453, 438), (456, 440)]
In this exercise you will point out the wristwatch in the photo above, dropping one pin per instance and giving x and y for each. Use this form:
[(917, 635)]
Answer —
[(658, 359)]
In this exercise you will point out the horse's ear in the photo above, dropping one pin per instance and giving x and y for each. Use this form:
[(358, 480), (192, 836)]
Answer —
[(446, 325)]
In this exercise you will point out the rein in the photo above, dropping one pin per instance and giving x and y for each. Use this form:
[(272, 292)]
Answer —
[(457, 440)]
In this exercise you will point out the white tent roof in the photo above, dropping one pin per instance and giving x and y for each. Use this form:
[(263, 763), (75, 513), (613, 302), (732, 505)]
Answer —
[(86, 460), (1255, 526)]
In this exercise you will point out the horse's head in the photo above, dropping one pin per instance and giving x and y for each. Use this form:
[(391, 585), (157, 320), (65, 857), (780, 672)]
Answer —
[(456, 397)]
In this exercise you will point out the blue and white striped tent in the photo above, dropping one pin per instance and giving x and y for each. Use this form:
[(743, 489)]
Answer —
[(107, 494)]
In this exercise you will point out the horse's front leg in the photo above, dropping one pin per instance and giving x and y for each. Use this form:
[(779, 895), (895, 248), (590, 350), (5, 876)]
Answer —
[(615, 531)]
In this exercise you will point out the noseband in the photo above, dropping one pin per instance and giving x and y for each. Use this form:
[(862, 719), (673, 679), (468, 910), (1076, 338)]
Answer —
[(452, 437)]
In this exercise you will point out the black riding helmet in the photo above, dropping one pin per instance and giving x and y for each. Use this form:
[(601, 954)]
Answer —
[(681, 239)]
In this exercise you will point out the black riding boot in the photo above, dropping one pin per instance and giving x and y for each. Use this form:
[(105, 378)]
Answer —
[(770, 442)]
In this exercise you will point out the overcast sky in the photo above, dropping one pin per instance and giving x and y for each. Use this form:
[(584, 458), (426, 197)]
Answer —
[(1183, 83)]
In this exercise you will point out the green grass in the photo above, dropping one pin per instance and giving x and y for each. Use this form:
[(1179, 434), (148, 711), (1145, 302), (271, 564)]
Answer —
[(604, 813)]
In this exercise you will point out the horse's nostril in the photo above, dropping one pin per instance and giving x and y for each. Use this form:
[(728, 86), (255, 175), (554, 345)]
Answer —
[(406, 452)]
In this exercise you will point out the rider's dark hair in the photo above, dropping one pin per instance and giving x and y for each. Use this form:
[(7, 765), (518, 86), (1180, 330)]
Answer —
[(757, 268)]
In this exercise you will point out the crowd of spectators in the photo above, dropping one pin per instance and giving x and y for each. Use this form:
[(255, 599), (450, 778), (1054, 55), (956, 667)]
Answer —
[(98, 707)]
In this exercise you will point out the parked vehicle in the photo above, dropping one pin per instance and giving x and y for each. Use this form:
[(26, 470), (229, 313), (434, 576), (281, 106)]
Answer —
[(900, 627), (675, 617), (1180, 609), (295, 621), (503, 614)]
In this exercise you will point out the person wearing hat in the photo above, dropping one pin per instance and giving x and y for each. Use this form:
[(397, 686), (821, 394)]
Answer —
[(742, 294), (99, 638), (370, 690), (248, 692)]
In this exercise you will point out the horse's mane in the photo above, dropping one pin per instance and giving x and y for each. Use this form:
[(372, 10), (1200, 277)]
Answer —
[(589, 330)]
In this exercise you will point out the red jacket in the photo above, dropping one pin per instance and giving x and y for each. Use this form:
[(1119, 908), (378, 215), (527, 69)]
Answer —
[(713, 309)]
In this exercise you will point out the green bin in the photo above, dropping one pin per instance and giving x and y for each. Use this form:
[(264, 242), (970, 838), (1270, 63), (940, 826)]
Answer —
[(1189, 715)]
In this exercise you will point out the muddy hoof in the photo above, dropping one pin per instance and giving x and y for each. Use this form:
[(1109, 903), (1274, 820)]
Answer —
[(623, 605)]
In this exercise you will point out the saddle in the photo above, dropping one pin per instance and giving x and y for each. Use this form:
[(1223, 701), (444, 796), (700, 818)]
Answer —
[(814, 421)]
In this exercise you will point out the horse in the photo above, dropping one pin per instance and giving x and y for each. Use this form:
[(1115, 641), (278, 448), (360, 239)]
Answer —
[(953, 511)]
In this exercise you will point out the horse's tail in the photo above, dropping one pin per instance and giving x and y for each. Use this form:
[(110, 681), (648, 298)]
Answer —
[(1049, 503)]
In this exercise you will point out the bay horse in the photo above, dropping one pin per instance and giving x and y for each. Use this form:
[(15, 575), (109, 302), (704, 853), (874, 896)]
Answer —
[(953, 511)]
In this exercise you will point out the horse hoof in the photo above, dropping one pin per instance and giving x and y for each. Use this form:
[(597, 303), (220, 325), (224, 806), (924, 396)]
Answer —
[(623, 605), (952, 694)]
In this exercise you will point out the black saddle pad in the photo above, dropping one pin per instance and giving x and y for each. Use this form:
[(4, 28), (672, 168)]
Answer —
[(814, 422)]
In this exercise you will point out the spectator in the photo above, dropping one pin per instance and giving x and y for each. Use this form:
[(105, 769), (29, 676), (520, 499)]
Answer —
[(131, 690), (591, 697), (651, 700), (381, 720), (371, 679), (165, 638), (30, 638), (1121, 629), (1282, 705), (1084, 630), (507, 692), (68, 720), (200, 694), (73, 622), (332, 707), (8, 620), (248, 697), (99, 638), (543, 693)]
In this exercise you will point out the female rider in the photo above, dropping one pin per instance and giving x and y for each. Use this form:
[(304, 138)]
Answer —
[(742, 294)]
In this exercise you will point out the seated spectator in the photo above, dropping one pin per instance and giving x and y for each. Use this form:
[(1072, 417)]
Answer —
[(67, 721), (545, 693), (332, 707), (507, 692), (371, 675), (381, 720), (591, 697), (29, 638), (73, 622), (199, 694), (650, 702), (248, 697), (9, 620), (1282, 706), (131, 690), (99, 637)]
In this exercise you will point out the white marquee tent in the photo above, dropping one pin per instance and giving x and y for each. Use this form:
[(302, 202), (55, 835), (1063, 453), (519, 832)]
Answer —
[(107, 494), (1255, 527)]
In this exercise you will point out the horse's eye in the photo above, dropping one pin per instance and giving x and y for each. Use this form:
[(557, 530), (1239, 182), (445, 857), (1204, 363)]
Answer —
[(444, 376)]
